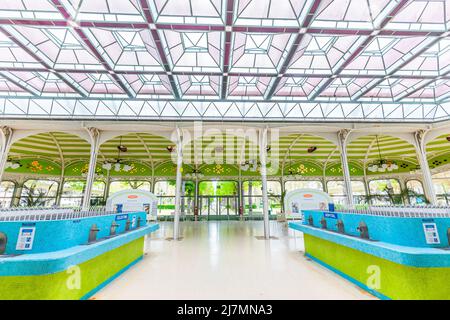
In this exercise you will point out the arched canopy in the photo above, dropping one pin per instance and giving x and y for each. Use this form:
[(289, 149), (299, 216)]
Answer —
[(370, 148)]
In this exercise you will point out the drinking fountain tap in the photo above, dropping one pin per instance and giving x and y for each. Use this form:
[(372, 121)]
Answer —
[(3, 242), (448, 236), (363, 230), (93, 233), (113, 228), (323, 223), (340, 226), (138, 223)]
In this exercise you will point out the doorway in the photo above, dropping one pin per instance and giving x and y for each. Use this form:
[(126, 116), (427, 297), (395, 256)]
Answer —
[(218, 200)]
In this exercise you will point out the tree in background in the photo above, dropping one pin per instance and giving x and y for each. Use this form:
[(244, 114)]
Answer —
[(34, 195)]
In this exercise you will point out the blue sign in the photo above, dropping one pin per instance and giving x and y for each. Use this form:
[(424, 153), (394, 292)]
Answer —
[(119, 207), (331, 207), (120, 217), (28, 224), (330, 215)]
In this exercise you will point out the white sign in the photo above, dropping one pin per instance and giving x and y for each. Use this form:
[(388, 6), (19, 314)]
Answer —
[(133, 200), (431, 233), (26, 238), (306, 199)]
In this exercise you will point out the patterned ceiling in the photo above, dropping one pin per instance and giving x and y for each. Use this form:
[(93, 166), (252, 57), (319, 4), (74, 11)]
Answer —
[(151, 150), (225, 59)]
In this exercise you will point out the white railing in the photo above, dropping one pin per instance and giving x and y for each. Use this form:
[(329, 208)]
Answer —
[(41, 214), (424, 211)]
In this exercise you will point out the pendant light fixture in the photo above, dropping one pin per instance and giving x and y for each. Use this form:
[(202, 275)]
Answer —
[(382, 165), (118, 165)]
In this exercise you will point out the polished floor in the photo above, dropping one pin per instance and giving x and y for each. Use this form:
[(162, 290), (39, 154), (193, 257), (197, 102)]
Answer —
[(226, 260)]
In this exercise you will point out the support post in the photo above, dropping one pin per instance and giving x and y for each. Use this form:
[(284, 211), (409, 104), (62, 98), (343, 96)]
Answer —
[(342, 139), (419, 144), (17, 194), (283, 195), (107, 185), (176, 220), (263, 159), (60, 191), (196, 202), (95, 145), (241, 199), (403, 187), (366, 189), (6, 141)]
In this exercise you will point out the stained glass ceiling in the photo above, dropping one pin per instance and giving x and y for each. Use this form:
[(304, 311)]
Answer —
[(226, 59)]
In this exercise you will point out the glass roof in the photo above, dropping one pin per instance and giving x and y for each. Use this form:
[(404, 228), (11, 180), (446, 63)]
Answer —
[(226, 59)]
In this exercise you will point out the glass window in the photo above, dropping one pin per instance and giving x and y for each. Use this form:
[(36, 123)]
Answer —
[(385, 192), (359, 192), (441, 185), (218, 188), (6, 193), (39, 193), (336, 189), (274, 187), (358, 188), (165, 191), (384, 187), (416, 194), (415, 186), (252, 192), (73, 188), (117, 186), (252, 188), (73, 193), (441, 182), (165, 188), (311, 184)]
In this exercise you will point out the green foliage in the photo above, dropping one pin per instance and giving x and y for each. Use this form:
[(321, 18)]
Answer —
[(166, 206), (33, 196), (218, 188)]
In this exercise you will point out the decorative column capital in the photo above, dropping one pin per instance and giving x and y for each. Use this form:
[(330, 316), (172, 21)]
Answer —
[(343, 135), (94, 133), (419, 136), (6, 131)]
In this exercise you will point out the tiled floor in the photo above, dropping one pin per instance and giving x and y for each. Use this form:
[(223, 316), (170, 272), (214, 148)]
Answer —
[(225, 260)]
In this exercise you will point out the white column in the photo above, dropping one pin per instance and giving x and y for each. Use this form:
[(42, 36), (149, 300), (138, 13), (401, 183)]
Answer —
[(107, 185), (17, 193), (196, 208), (263, 159), (176, 219), (283, 194), (342, 139), (6, 141), (60, 188), (421, 151), (95, 145)]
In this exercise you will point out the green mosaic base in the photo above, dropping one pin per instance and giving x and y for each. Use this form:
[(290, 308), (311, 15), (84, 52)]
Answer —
[(396, 281), (94, 273)]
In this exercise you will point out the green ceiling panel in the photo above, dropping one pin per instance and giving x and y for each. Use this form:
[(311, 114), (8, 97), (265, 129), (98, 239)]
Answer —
[(37, 166), (303, 169), (80, 169), (219, 170), (169, 169), (335, 170), (439, 161)]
